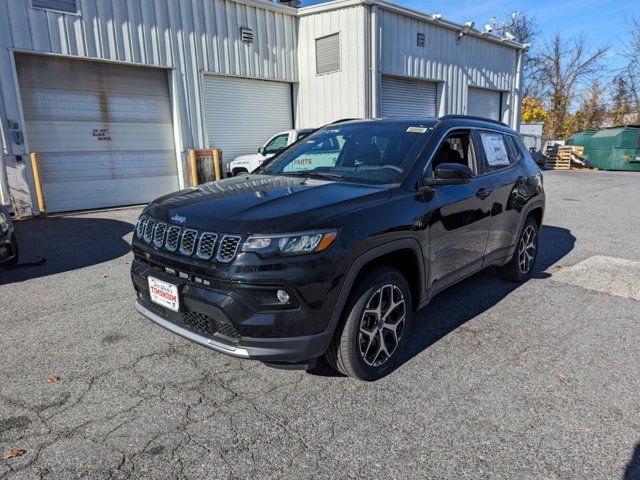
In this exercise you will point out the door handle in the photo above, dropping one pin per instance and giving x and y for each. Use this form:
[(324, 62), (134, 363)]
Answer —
[(483, 193)]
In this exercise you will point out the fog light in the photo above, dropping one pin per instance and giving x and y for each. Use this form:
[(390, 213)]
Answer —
[(283, 296)]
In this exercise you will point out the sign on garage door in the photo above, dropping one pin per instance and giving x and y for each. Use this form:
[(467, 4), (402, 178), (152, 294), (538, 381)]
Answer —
[(241, 114), (484, 103), (408, 98), (103, 132)]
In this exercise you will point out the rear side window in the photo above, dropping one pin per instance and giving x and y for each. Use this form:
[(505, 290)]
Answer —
[(522, 148), (496, 151)]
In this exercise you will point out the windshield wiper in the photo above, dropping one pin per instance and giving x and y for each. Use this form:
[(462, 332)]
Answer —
[(314, 174)]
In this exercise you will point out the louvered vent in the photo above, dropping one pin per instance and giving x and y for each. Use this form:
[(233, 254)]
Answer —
[(328, 54)]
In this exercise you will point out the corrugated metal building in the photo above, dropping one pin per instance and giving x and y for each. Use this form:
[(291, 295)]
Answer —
[(112, 93)]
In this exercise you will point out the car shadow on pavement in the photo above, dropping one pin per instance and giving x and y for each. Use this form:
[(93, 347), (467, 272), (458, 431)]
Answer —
[(67, 243), (632, 471), (460, 303)]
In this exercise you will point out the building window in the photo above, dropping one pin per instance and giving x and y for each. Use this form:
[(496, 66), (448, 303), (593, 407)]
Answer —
[(67, 6), (328, 54)]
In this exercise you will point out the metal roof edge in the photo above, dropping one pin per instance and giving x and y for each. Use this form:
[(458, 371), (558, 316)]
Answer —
[(410, 12), (269, 5)]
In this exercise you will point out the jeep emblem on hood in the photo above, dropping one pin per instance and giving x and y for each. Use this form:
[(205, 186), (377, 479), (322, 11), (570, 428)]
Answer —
[(178, 218)]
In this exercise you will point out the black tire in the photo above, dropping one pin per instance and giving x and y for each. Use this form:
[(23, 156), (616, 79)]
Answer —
[(388, 287), (519, 270), (239, 171)]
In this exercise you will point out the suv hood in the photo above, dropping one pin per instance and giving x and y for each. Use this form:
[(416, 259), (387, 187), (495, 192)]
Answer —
[(264, 204)]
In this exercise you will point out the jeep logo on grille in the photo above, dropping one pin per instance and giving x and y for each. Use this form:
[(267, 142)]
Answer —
[(178, 218)]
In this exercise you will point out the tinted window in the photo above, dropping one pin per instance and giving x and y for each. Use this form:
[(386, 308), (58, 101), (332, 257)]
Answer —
[(496, 151), (277, 144), (371, 153)]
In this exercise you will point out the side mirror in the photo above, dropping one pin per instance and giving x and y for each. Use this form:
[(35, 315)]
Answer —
[(448, 174), (262, 151)]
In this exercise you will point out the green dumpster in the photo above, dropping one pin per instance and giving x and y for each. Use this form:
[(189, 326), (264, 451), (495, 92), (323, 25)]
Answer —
[(615, 148)]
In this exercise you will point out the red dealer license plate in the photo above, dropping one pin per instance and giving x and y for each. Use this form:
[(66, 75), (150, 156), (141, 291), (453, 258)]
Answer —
[(164, 294)]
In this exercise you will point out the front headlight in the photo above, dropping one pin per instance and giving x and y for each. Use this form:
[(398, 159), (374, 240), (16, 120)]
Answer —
[(297, 243)]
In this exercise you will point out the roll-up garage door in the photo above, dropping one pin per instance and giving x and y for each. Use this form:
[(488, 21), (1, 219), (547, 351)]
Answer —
[(103, 132), (484, 103), (408, 98), (241, 114)]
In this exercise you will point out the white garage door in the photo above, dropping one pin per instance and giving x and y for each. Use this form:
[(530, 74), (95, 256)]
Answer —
[(241, 114), (408, 98), (484, 103), (103, 132)]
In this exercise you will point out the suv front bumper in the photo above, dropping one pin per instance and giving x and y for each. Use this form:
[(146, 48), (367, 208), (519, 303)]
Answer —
[(223, 317)]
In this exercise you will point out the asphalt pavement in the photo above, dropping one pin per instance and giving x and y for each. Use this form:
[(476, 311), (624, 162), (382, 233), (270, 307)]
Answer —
[(540, 380)]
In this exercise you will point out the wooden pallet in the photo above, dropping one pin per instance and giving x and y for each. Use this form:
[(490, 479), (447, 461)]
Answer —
[(558, 157)]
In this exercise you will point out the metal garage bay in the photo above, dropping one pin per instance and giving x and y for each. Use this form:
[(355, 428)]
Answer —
[(241, 114), (103, 132), (484, 103), (402, 97)]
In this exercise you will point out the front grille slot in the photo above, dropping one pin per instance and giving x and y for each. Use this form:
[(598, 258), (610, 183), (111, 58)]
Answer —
[(206, 245), (140, 226), (228, 248), (188, 243), (158, 236), (149, 230), (173, 238)]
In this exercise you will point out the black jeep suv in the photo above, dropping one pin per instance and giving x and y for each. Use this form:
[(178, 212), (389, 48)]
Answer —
[(329, 247)]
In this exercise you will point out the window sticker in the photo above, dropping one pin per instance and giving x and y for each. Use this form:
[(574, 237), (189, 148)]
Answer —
[(416, 130), (495, 149)]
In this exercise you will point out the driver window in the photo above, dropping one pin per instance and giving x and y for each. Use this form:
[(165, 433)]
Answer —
[(456, 148), (276, 144)]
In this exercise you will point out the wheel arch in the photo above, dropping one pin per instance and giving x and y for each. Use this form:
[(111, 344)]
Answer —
[(404, 255)]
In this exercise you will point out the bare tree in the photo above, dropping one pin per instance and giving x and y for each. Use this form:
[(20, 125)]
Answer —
[(525, 29), (563, 66), (593, 106), (626, 93)]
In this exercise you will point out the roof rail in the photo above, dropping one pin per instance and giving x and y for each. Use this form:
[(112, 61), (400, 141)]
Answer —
[(343, 120), (472, 117)]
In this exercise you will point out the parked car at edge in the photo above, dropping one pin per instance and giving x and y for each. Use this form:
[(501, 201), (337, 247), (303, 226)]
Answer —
[(309, 257), (8, 241), (281, 140)]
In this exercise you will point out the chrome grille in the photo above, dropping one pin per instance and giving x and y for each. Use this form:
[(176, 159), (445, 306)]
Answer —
[(158, 236), (228, 248), (148, 230), (188, 243), (206, 245), (173, 238), (140, 226)]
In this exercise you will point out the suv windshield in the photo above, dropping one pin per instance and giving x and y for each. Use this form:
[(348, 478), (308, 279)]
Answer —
[(375, 153)]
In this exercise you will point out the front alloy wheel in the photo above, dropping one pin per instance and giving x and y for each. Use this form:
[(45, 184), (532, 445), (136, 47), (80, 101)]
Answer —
[(382, 325), (370, 337)]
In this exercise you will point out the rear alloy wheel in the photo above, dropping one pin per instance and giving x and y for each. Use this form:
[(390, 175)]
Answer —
[(520, 267), (368, 342)]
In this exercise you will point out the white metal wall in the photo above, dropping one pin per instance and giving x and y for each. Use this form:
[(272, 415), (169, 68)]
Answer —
[(471, 61), (188, 36), (322, 99)]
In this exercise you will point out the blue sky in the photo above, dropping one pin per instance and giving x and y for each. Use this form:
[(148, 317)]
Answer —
[(603, 22)]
